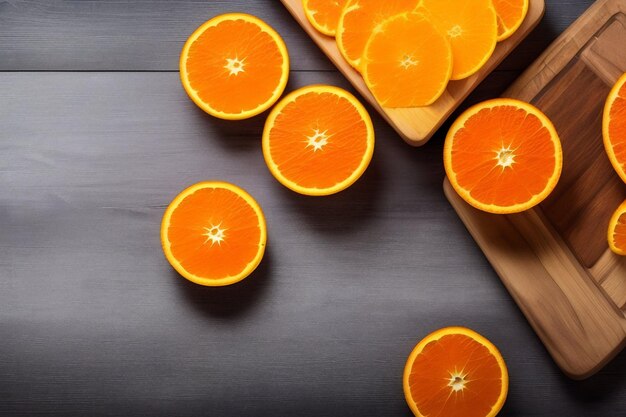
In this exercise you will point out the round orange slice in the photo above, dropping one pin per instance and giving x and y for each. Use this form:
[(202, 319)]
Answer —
[(361, 18), (407, 62), (511, 14), (324, 14), (234, 66), (455, 372), (617, 231), (503, 156), (614, 126), (214, 234), (471, 27), (318, 140)]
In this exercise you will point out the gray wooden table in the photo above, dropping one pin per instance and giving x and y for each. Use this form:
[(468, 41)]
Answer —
[(97, 136)]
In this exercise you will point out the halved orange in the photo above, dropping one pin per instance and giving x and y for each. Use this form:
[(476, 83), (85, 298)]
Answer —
[(617, 231), (234, 66), (471, 27), (455, 372), (511, 14), (361, 18), (503, 156), (214, 234), (614, 126), (318, 140), (407, 62), (324, 14)]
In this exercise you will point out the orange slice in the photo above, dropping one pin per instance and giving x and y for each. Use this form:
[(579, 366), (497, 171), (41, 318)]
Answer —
[(511, 14), (617, 231), (324, 14), (470, 26), (360, 18), (234, 66), (318, 140), (214, 234), (407, 62), (455, 372), (503, 156), (614, 126)]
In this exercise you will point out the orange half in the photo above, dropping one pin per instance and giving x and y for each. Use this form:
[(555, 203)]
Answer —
[(318, 140), (617, 231), (324, 14), (503, 156), (214, 234), (361, 18), (471, 28), (614, 126), (455, 372), (511, 15), (234, 66), (407, 62)]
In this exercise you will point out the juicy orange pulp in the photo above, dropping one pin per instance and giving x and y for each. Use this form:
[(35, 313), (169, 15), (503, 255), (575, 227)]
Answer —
[(214, 233), (407, 62), (503, 156), (234, 66), (455, 372), (318, 140), (360, 19), (614, 126)]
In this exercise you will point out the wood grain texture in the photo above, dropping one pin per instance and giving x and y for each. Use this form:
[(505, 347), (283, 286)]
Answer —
[(148, 35), (555, 259), (417, 125)]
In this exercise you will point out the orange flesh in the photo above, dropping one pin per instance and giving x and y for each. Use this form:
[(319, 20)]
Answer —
[(362, 18), (334, 120), (617, 128), (471, 28), (408, 62), (326, 13), (192, 221), (479, 383), (476, 147), (510, 14), (619, 233), (235, 91)]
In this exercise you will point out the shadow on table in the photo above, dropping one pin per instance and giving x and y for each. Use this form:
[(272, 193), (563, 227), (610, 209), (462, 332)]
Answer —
[(345, 211), (229, 302), (608, 382)]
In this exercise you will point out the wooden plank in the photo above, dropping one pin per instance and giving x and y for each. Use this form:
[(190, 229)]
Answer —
[(555, 259), (58, 35), (94, 322), (418, 124)]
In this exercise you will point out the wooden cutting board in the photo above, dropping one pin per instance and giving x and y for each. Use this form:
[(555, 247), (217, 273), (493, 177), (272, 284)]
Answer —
[(417, 125), (554, 259)]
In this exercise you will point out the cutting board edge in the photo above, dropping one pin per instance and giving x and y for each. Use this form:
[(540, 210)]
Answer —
[(537, 12), (563, 362)]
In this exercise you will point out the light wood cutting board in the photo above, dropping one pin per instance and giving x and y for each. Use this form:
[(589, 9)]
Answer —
[(417, 125), (554, 259)]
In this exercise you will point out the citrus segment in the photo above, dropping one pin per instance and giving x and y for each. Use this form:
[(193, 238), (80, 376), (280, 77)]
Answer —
[(407, 62), (503, 156), (614, 126), (324, 14), (234, 66), (455, 372), (470, 26), (214, 234), (617, 231), (361, 18), (511, 14), (318, 140)]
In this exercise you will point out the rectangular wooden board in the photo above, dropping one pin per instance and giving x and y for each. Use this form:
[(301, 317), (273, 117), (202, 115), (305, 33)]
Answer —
[(554, 259), (417, 125)]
